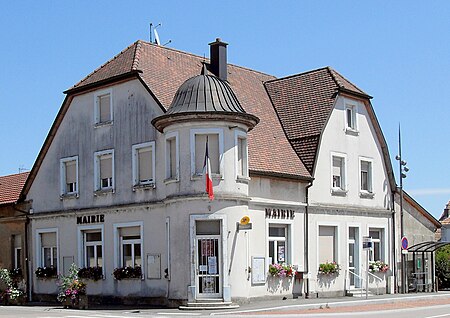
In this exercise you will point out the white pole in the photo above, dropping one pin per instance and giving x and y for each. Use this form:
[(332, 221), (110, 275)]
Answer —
[(367, 273)]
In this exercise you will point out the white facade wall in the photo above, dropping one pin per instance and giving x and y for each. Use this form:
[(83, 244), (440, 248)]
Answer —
[(176, 202)]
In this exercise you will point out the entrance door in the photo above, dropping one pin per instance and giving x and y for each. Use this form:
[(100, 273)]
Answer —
[(208, 259), (353, 256)]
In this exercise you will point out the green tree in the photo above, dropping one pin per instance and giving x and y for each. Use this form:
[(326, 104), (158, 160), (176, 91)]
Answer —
[(443, 266)]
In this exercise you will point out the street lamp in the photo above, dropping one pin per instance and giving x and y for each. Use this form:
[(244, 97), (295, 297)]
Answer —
[(403, 169)]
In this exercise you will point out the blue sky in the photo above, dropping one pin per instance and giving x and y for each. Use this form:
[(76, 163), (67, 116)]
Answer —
[(396, 51)]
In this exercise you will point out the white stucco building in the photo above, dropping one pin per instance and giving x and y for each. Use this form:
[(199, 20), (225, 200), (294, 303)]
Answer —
[(119, 181)]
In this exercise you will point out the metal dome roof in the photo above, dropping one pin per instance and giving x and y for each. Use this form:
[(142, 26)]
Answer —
[(205, 93)]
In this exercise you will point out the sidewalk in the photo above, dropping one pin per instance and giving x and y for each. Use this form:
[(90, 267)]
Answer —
[(334, 303)]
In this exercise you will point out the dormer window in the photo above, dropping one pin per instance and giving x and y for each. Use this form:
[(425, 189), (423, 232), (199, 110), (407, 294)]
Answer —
[(103, 107)]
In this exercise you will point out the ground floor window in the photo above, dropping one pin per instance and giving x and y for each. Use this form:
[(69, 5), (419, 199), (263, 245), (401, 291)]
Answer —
[(130, 250), (377, 253), (327, 244), (47, 248), (278, 242), (17, 244), (92, 248)]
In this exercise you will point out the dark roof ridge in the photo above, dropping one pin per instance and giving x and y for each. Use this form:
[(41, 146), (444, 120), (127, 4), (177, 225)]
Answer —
[(136, 56), (333, 76), (103, 65), (203, 58), (298, 74)]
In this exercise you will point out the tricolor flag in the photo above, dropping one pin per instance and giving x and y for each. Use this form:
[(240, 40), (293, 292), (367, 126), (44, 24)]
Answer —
[(207, 171)]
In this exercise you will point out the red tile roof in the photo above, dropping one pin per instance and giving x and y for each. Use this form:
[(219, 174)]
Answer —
[(11, 186), (163, 70)]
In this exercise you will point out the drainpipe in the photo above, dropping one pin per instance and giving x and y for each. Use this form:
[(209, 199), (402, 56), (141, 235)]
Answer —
[(26, 269), (306, 239), (394, 243)]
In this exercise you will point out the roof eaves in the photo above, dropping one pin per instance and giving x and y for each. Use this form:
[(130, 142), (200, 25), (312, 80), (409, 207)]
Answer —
[(421, 209), (106, 81), (352, 92), (280, 175)]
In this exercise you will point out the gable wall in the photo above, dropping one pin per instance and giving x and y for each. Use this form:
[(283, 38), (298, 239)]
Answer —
[(364, 144)]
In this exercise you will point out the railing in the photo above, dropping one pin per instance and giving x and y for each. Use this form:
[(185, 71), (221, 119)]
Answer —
[(377, 279), (361, 280)]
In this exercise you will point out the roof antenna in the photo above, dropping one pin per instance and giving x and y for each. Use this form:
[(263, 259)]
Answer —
[(157, 40)]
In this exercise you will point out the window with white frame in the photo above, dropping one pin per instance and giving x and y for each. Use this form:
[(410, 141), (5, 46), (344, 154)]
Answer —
[(350, 117), (377, 252), (92, 248), (241, 154), (103, 107), (338, 173), (48, 250), (17, 242), (130, 245), (198, 150), (104, 170), (327, 244), (366, 176), (144, 163), (69, 175), (172, 156), (278, 241)]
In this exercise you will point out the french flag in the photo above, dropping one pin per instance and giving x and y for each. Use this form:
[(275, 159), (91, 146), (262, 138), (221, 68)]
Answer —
[(207, 170)]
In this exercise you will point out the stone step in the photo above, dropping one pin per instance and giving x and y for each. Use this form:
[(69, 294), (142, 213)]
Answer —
[(209, 304)]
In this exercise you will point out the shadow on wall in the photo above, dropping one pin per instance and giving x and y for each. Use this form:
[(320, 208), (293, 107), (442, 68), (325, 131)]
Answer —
[(279, 284), (326, 280)]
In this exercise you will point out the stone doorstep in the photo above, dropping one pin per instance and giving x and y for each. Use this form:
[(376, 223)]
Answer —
[(209, 304), (358, 292)]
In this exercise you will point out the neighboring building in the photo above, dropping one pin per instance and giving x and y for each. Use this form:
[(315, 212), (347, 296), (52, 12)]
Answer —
[(444, 234), (119, 181), (419, 228), (13, 224)]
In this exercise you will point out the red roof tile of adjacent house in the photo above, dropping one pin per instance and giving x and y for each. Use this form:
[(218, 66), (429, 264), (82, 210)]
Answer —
[(11, 186), (163, 70)]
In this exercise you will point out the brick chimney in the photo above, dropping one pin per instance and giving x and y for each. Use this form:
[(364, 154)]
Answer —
[(218, 57)]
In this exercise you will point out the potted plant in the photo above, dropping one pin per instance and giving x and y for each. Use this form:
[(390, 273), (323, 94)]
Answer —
[(281, 270), (378, 267), (12, 294), (127, 272), (329, 268), (72, 290)]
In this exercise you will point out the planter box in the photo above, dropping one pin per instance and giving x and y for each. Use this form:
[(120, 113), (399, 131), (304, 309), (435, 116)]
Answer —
[(80, 302)]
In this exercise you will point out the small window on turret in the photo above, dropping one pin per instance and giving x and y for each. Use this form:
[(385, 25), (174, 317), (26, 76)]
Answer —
[(241, 155), (202, 139)]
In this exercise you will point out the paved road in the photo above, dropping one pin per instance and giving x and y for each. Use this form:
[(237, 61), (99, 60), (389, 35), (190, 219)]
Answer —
[(431, 306)]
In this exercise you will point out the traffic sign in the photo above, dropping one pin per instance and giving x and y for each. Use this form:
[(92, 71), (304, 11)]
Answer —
[(404, 243)]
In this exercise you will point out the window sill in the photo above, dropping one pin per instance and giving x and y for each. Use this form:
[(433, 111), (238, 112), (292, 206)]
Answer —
[(200, 176), (68, 196), (366, 195), (171, 180), (243, 179), (145, 186), (339, 192), (351, 131), (103, 124), (103, 191)]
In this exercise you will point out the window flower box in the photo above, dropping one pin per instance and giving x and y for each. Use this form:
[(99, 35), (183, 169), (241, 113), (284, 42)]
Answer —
[(329, 268), (281, 270), (46, 272), (92, 273), (127, 272), (378, 267)]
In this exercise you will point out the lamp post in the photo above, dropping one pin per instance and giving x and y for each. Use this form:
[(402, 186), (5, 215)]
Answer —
[(402, 171)]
